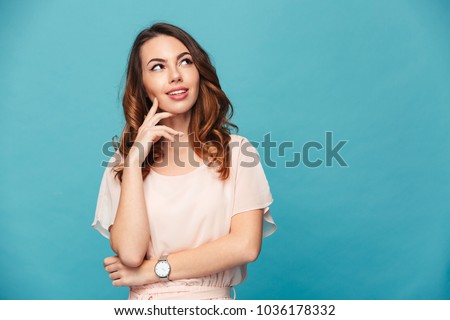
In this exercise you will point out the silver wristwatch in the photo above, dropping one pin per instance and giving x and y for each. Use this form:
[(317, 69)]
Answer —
[(162, 268)]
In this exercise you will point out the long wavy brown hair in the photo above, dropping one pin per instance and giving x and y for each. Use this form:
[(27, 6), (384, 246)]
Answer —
[(209, 127)]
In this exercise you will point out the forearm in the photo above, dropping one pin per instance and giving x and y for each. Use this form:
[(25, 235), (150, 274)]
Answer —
[(212, 257), (130, 234), (240, 246)]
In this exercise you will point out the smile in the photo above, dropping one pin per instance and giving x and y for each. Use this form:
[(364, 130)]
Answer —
[(178, 94)]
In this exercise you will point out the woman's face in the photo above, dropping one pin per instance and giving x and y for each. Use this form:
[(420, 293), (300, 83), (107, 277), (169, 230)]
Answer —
[(167, 65)]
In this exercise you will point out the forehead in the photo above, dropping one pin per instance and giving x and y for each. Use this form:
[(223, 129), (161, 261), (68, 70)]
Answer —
[(164, 47)]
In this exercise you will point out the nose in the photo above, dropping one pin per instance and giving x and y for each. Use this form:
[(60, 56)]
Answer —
[(175, 75)]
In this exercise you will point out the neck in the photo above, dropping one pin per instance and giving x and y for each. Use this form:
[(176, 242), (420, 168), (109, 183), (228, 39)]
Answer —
[(179, 122)]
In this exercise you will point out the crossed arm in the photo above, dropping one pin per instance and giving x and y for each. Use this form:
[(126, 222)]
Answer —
[(240, 246), (130, 237)]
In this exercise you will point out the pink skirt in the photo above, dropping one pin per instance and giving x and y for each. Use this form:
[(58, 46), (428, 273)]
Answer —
[(182, 292)]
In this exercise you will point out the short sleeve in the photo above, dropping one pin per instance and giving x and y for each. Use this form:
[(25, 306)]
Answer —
[(107, 201), (251, 189)]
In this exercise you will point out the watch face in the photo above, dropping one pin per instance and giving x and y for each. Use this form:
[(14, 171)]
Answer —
[(162, 269)]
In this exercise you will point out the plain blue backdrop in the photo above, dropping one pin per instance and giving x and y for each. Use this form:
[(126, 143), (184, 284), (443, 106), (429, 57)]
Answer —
[(374, 73)]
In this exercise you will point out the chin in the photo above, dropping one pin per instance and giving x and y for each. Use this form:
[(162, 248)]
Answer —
[(177, 106)]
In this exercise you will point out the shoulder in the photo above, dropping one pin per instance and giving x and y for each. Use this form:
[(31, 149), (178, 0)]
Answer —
[(242, 141), (110, 174), (235, 144), (238, 139), (241, 147)]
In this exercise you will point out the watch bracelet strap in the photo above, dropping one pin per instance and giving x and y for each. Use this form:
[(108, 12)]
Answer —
[(163, 257)]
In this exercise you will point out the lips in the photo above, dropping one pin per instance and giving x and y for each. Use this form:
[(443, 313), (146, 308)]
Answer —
[(178, 94), (177, 89)]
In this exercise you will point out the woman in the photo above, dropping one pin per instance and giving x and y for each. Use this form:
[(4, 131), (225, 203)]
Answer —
[(184, 202)]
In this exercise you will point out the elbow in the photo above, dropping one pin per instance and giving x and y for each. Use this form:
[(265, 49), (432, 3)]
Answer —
[(252, 255), (130, 257), (131, 254), (131, 260), (252, 252)]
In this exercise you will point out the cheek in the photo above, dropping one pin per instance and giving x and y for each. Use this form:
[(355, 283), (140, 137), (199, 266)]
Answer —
[(152, 86), (195, 79), (147, 83)]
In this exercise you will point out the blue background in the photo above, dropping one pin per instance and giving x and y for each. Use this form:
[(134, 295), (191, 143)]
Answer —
[(376, 74)]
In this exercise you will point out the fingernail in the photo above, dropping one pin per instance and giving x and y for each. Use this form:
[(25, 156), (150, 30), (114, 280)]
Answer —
[(180, 133)]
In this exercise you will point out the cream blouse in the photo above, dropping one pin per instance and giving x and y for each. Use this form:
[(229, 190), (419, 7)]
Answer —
[(187, 210)]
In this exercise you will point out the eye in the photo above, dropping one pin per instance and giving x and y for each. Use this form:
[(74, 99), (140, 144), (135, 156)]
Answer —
[(156, 65), (188, 60)]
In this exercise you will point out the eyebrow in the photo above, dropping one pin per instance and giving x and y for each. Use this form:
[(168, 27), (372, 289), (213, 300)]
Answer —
[(162, 60)]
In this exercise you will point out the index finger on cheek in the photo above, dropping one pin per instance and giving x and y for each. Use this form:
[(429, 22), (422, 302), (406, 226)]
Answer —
[(154, 107)]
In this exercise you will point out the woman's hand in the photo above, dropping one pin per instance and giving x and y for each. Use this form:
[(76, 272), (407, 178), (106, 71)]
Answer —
[(123, 275), (149, 133)]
